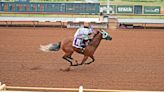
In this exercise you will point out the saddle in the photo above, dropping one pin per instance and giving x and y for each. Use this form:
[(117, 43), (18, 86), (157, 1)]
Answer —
[(82, 46), (81, 42), (85, 43)]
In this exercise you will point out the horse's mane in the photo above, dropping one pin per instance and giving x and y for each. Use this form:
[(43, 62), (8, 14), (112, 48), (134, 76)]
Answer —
[(96, 39)]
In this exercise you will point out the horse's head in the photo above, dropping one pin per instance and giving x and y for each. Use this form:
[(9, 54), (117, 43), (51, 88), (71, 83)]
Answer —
[(105, 35)]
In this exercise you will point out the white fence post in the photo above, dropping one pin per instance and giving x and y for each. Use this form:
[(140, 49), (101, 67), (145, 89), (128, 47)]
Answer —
[(81, 89), (2, 86)]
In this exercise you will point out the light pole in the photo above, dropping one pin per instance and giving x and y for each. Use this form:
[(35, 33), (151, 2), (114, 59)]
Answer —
[(108, 7)]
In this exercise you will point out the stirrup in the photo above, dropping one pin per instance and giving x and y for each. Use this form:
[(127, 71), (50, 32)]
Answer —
[(82, 50)]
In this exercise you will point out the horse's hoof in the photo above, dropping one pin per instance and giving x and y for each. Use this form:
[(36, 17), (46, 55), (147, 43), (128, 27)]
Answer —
[(87, 63), (75, 65), (81, 64)]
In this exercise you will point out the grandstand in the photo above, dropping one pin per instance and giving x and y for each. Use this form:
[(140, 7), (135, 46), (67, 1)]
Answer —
[(80, 6), (121, 9)]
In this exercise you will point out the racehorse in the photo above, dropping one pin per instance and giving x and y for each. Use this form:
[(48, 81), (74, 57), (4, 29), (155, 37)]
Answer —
[(68, 49)]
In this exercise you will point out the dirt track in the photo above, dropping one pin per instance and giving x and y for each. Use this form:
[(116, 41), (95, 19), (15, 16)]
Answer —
[(134, 59)]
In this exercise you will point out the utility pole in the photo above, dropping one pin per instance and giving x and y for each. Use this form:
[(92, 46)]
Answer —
[(108, 7)]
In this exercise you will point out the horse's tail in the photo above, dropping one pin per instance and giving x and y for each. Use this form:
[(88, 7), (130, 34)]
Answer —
[(50, 47)]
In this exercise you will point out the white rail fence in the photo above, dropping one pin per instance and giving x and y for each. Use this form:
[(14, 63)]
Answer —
[(71, 22), (141, 21), (5, 88)]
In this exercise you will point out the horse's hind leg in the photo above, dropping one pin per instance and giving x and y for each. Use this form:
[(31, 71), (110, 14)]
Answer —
[(68, 58), (93, 59)]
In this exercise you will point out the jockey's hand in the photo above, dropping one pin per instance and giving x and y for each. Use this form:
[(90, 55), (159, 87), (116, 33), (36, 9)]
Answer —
[(86, 37)]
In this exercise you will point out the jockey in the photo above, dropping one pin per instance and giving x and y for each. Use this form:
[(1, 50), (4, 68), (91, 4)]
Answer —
[(82, 36)]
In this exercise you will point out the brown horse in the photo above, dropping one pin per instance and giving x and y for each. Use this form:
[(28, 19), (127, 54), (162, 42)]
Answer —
[(66, 46)]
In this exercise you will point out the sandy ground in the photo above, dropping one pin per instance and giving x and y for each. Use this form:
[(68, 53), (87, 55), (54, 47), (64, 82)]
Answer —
[(133, 60)]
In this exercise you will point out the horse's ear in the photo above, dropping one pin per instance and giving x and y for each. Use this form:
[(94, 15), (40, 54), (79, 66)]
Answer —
[(100, 30)]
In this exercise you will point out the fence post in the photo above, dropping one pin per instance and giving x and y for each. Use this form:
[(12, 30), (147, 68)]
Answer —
[(81, 89), (2, 86)]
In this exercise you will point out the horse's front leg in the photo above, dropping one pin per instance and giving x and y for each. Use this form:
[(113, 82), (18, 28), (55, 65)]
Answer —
[(84, 59), (93, 59)]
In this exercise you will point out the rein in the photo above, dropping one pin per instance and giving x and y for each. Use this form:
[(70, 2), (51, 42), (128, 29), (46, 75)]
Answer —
[(96, 34)]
